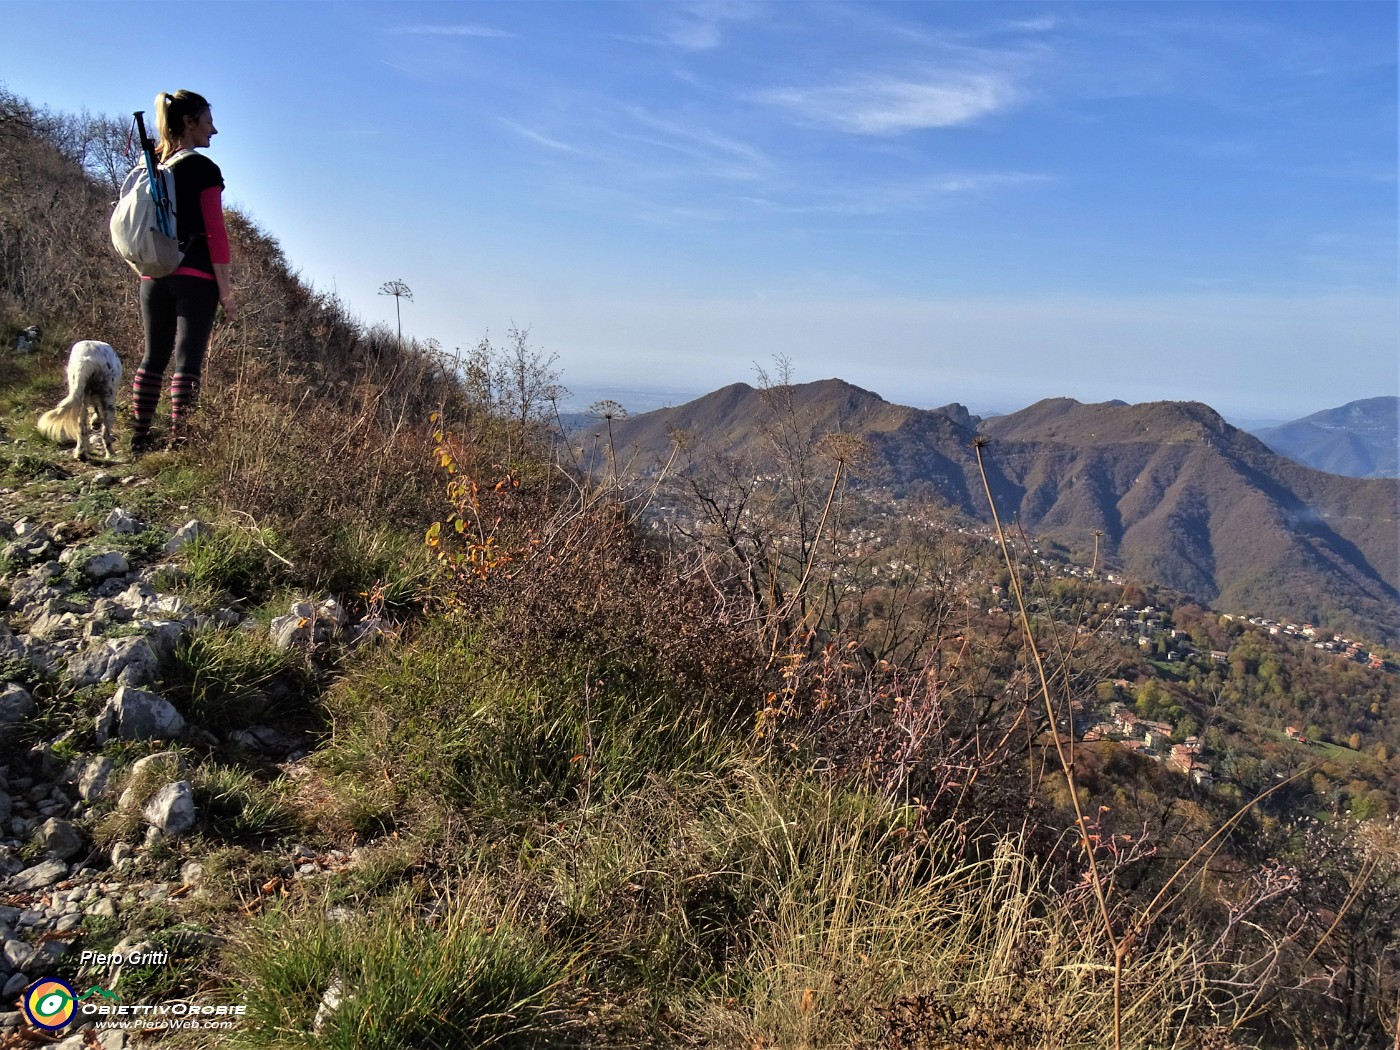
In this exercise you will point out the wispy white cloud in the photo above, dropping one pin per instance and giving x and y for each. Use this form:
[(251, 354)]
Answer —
[(886, 105), (467, 30), (693, 35), (699, 26), (726, 155), (876, 198), (1041, 24), (539, 138)]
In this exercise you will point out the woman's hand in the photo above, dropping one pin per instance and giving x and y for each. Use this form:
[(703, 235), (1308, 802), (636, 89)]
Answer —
[(224, 276)]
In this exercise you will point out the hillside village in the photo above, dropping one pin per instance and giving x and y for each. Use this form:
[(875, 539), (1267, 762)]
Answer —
[(1150, 630), (1149, 627)]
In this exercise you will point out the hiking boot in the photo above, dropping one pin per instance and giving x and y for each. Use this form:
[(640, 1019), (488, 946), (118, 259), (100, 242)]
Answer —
[(141, 444)]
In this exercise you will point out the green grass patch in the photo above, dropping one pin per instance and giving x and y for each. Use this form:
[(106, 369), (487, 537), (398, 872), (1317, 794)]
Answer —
[(405, 977), (28, 382), (356, 806), (243, 562), (95, 504), (235, 805), (378, 566), (144, 545), (24, 467), (1336, 752), (225, 679), (179, 479), (57, 710), (1171, 670), (190, 950), (124, 822), (440, 719), (100, 933)]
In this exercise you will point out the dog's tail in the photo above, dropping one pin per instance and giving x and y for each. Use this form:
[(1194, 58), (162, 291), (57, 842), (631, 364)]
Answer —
[(63, 423)]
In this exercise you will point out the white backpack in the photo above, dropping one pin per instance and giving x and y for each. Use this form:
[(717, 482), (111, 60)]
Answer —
[(136, 226)]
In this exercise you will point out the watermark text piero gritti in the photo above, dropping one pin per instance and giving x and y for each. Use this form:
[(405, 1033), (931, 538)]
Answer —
[(124, 959)]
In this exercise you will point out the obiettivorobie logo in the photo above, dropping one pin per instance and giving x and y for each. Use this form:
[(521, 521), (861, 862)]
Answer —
[(50, 1004)]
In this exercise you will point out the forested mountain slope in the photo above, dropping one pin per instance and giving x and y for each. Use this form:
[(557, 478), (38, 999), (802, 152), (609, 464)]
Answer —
[(1360, 439), (1175, 494)]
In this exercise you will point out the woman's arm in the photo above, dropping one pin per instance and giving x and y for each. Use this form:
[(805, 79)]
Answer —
[(212, 206), (226, 299)]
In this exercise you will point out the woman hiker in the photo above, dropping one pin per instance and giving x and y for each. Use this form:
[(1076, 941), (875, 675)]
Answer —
[(177, 311)]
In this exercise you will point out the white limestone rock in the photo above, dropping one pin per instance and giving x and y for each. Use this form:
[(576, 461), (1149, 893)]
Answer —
[(15, 703), (186, 533), (172, 811), (60, 838), (43, 874), (95, 778), (122, 522), (102, 566), (128, 661), (134, 714)]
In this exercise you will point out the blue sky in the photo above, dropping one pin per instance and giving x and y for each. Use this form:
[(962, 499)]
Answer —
[(977, 202)]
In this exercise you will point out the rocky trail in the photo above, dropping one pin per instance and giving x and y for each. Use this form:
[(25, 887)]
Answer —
[(109, 811)]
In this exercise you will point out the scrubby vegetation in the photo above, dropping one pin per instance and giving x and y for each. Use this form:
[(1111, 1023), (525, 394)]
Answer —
[(593, 788)]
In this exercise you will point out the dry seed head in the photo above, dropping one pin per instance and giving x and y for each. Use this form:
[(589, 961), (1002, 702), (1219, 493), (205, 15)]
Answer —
[(1381, 839)]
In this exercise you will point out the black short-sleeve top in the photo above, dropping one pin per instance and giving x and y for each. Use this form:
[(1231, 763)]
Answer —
[(194, 173)]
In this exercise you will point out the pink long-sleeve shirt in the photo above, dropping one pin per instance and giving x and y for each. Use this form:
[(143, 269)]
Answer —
[(211, 204)]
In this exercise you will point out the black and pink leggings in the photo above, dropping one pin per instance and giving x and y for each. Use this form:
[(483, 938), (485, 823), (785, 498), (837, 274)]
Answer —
[(177, 313)]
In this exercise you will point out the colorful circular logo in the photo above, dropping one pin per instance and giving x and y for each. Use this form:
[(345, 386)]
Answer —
[(50, 1004)]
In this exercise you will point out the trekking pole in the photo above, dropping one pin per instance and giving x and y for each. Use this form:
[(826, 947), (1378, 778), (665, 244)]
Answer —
[(158, 194)]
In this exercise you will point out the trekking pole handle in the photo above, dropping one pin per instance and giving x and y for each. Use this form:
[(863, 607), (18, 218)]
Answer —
[(146, 142)]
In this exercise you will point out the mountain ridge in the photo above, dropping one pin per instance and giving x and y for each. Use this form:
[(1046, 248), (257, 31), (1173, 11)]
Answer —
[(1170, 491), (1360, 439)]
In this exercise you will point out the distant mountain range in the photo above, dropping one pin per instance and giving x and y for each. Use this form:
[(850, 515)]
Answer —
[(1181, 497), (1360, 439)]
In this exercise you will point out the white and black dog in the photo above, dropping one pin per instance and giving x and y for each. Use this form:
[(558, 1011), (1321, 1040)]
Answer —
[(94, 373)]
